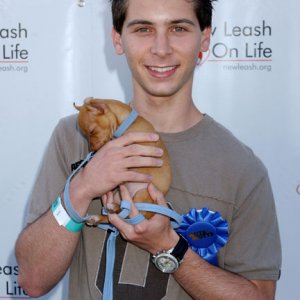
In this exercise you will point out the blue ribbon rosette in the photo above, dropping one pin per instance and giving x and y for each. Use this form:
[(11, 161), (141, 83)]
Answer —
[(206, 232)]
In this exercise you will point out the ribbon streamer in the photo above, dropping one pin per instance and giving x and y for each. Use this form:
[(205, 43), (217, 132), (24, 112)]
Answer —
[(206, 232)]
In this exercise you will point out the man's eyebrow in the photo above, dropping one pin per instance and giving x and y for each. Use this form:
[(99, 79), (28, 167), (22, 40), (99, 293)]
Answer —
[(139, 22), (173, 22), (180, 21)]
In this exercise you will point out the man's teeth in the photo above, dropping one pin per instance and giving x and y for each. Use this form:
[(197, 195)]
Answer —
[(162, 69)]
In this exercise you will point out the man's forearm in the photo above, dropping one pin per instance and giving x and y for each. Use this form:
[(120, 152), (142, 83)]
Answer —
[(44, 251), (204, 281)]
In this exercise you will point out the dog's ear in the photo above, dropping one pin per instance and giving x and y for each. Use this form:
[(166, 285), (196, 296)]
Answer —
[(100, 106), (76, 106), (95, 106)]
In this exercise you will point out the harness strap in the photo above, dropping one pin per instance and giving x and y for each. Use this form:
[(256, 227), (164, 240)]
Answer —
[(69, 207), (126, 124)]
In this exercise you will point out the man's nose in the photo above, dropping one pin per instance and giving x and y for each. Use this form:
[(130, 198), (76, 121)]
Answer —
[(161, 44)]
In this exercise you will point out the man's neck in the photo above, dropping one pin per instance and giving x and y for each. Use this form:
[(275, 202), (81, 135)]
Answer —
[(168, 115)]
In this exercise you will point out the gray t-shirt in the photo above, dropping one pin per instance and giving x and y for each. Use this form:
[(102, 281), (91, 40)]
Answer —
[(211, 169)]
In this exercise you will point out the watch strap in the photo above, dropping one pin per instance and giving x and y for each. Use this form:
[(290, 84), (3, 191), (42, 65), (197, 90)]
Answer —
[(180, 249)]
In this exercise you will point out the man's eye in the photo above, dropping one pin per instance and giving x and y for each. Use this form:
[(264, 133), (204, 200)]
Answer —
[(143, 29), (178, 29)]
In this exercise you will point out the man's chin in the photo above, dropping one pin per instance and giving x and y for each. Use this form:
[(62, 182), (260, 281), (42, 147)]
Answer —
[(163, 92)]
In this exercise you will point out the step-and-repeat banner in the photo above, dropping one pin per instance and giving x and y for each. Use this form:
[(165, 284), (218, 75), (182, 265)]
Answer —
[(55, 52)]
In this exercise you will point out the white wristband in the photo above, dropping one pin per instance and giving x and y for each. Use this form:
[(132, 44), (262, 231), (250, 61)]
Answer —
[(63, 218)]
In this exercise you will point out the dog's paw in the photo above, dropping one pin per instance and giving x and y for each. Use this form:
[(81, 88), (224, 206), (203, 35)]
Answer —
[(112, 208), (93, 220)]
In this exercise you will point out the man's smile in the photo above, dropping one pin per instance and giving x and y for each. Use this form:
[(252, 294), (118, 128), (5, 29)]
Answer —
[(163, 71)]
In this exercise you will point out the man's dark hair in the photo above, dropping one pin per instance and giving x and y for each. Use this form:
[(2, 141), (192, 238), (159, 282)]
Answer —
[(203, 10)]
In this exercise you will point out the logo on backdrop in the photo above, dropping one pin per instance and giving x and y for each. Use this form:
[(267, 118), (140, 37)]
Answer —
[(241, 47), (11, 286), (13, 54)]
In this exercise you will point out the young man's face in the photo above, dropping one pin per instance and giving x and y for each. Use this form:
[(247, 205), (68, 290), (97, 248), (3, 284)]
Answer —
[(162, 41)]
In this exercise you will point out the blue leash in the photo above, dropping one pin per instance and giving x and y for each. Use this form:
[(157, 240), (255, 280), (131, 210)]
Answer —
[(125, 211)]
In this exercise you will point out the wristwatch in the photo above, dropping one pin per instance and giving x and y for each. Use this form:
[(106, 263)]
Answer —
[(168, 261)]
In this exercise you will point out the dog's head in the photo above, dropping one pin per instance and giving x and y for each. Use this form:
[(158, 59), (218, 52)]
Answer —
[(97, 122)]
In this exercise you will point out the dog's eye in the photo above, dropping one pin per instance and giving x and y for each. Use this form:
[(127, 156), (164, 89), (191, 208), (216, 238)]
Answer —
[(92, 129)]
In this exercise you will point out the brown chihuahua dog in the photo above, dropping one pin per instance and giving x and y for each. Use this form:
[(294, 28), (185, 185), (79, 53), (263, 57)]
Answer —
[(98, 119)]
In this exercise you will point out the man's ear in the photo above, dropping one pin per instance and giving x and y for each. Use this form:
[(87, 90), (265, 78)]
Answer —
[(117, 41), (205, 39)]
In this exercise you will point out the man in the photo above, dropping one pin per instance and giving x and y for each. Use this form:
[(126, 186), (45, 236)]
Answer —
[(162, 41)]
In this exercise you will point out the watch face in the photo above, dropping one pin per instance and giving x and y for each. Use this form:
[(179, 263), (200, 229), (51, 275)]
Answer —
[(166, 263)]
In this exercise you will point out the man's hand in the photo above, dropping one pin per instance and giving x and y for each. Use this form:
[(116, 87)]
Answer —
[(113, 164), (152, 235)]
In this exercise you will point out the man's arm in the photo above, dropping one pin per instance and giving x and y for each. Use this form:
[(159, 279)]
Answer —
[(200, 279), (204, 281), (44, 252), (44, 249)]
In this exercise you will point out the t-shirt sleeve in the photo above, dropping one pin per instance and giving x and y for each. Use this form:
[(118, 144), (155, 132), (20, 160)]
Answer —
[(254, 249), (52, 173)]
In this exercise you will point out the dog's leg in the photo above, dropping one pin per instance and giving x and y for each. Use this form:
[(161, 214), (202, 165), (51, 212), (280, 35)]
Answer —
[(113, 207), (143, 196)]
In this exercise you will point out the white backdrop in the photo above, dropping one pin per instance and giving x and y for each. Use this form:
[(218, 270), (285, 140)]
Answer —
[(53, 53)]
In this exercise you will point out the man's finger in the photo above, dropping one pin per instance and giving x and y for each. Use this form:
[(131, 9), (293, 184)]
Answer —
[(145, 150), (125, 195), (136, 137), (156, 195)]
